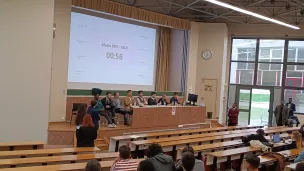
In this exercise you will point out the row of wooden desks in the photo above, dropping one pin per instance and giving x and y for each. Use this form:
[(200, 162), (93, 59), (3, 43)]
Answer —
[(64, 167), (10, 146), (171, 143), (116, 141)]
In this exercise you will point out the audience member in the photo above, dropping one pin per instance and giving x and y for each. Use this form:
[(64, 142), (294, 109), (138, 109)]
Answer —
[(291, 107), (93, 165), (86, 133), (300, 167), (258, 136), (188, 161), (145, 165), (163, 100), (140, 100), (100, 108), (252, 162), (108, 104), (119, 109), (199, 164), (128, 101), (123, 161), (233, 115), (94, 113), (152, 100), (82, 110), (174, 99), (281, 114), (161, 161)]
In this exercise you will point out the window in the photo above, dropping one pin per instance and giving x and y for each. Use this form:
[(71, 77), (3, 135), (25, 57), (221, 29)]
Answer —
[(242, 73), (243, 50), (294, 76), (297, 98), (295, 51), (271, 49), (269, 74)]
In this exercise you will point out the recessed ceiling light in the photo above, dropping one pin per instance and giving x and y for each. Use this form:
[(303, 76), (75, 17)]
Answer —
[(251, 13)]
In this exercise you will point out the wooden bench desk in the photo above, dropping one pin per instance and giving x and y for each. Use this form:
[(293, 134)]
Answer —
[(116, 141), (211, 147), (55, 159), (106, 165), (247, 132), (46, 152), (233, 152), (137, 145), (27, 145), (291, 167)]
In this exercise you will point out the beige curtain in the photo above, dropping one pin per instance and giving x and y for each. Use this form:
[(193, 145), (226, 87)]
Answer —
[(132, 12), (162, 67)]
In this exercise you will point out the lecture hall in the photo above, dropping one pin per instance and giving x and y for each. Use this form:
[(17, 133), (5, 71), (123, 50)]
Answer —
[(152, 85)]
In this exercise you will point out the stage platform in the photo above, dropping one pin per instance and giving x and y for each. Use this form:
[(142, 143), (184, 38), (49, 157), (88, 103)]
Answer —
[(62, 133)]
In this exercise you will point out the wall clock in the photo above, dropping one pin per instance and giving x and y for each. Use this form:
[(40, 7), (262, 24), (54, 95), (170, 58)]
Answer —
[(207, 54)]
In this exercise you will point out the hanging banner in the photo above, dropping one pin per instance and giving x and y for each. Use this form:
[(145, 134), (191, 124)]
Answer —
[(173, 110)]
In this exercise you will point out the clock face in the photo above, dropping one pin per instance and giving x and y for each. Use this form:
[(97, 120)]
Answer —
[(207, 54)]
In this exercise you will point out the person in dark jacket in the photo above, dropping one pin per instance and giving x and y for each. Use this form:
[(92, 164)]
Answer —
[(163, 100), (86, 133), (291, 107), (258, 136), (94, 113), (174, 99), (109, 107), (152, 100), (161, 161), (145, 165), (233, 115)]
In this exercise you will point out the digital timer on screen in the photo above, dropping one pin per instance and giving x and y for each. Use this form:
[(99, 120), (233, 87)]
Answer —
[(99, 45)]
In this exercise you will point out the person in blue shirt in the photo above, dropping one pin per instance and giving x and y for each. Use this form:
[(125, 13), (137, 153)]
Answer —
[(300, 157), (94, 112), (174, 99)]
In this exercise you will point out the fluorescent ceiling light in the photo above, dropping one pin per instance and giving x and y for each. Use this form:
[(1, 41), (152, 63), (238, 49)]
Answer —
[(251, 13)]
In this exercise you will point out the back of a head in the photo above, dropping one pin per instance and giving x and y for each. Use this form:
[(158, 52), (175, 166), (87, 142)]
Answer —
[(300, 166), (124, 152), (188, 149), (260, 132), (93, 165), (87, 121), (253, 161), (146, 165), (188, 161), (154, 149), (82, 110)]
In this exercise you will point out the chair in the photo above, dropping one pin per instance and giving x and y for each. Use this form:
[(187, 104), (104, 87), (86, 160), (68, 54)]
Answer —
[(74, 110)]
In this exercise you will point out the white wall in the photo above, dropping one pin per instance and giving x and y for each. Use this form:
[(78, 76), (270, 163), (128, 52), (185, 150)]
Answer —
[(201, 72), (60, 60), (25, 68)]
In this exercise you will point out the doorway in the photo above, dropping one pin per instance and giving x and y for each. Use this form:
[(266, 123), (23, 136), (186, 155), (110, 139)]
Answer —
[(255, 104)]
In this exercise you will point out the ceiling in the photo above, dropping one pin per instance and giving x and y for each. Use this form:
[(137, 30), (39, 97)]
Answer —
[(288, 11)]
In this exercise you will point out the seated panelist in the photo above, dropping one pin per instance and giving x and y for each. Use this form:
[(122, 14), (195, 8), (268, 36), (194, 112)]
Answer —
[(174, 99), (163, 100), (152, 100), (108, 105), (140, 100), (128, 101)]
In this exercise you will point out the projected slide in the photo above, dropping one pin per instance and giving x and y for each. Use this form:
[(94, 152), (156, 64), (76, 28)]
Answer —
[(110, 52)]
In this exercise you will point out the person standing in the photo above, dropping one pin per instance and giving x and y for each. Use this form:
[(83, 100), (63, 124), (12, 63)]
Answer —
[(281, 114), (119, 108), (140, 100), (109, 108), (152, 100), (94, 113), (86, 133), (291, 106), (82, 110), (163, 100), (233, 115)]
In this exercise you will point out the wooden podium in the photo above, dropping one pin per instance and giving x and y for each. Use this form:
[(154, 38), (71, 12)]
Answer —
[(160, 116)]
